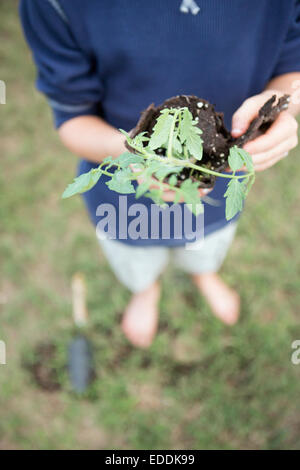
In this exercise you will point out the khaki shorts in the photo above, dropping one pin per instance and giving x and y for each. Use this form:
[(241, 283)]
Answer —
[(138, 267)]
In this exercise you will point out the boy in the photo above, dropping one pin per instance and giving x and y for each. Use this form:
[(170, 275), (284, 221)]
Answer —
[(101, 62)]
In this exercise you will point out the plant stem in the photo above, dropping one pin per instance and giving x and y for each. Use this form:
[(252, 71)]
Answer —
[(171, 135), (211, 172), (107, 173), (134, 176), (187, 163)]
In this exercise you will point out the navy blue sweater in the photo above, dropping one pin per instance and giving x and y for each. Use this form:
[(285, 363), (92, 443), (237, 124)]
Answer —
[(113, 58)]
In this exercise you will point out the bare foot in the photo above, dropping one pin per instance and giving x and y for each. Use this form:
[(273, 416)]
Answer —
[(140, 319), (223, 301)]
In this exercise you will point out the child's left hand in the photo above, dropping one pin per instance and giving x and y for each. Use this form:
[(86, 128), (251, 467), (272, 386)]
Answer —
[(276, 143)]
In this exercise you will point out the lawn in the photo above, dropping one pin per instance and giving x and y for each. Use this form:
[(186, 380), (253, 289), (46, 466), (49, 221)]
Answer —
[(201, 385)]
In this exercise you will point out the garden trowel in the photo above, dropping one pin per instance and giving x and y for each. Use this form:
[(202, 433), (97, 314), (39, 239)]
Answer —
[(80, 357)]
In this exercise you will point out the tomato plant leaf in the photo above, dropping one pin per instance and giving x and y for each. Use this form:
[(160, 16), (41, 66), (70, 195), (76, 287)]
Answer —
[(194, 145), (234, 198), (161, 131), (82, 183), (156, 195), (235, 160), (189, 134), (190, 193), (142, 188), (248, 183), (173, 180), (121, 182), (127, 158), (177, 145), (164, 171), (247, 159), (238, 158), (185, 124)]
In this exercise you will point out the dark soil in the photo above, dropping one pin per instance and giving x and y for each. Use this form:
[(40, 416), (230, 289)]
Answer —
[(217, 140), (42, 368)]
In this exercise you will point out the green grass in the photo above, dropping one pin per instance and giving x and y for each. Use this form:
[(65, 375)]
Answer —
[(201, 385)]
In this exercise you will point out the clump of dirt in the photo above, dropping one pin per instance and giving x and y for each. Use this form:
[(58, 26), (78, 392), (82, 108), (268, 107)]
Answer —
[(217, 140), (42, 367)]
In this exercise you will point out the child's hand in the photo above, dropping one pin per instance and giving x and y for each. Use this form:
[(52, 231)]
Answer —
[(276, 143)]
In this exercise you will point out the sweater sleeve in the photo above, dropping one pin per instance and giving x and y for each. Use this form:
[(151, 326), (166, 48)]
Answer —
[(66, 73), (289, 59)]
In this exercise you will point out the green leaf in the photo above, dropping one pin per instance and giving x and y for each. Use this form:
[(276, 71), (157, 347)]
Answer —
[(127, 158), (142, 188), (247, 159), (238, 158), (161, 130), (149, 151), (177, 147), (156, 195), (108, 161), (194, 145), (139, 140), (185, 124), (165, 170), (153, 166), (128, 138), (238, 190), (190, 193), (83, 183), (189, 134), (125, 133), (248, 183), (177, 195), (235, 160), (172, 180), (121, 182), (234, 195)]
